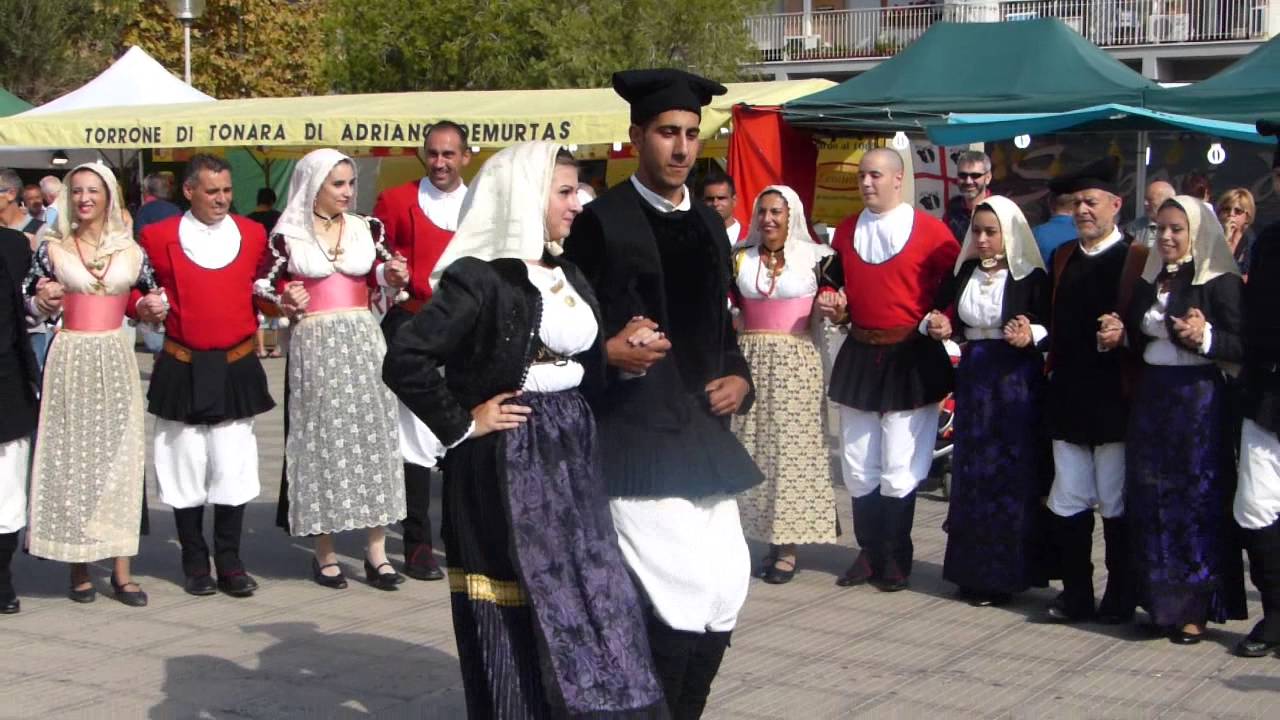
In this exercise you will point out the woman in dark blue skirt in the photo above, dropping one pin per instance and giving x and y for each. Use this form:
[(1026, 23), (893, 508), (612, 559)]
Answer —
[(999, 291), (1185, 320), (547, 620)]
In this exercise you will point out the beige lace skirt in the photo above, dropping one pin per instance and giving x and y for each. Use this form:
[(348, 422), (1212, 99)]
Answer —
[(87, 477), (783, 432)]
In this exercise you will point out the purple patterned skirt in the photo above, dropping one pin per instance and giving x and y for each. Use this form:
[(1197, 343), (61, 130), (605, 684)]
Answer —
[(1179, 483), (994, 522), (547, 620)]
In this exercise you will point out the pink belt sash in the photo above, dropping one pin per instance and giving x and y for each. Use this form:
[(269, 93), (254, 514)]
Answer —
[(93, 313), (336, 292), (787, 315)]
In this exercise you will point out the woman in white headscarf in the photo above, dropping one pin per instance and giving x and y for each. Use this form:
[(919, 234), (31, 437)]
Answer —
[(548, 622), (87, 475), (342, 458), (1185, 320), (1000, 293), (775, 281)]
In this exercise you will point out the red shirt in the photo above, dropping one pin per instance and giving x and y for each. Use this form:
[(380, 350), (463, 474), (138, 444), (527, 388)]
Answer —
[(209, 309), (411, 233)]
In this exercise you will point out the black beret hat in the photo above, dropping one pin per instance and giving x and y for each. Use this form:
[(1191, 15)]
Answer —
[(1099, 175), (653, 92)]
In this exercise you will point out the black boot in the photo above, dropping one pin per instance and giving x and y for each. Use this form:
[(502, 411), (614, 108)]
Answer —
[(1119, 599), (232, 579), (701, 671), (8, 598), (1073, 537), (195, 553), (1263, 548), (867, 529), (897, 549), (419, 559)]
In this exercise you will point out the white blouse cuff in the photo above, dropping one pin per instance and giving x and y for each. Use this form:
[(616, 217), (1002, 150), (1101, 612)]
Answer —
[(381, 275), (1038, 333), (1207, 341)]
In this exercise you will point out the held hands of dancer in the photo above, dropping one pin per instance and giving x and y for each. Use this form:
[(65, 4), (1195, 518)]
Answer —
[(397, 271), (1017, 332), (1110, 331), (1190, 328), (152, 308), (48, 296), (725, 395), (295, 298), (493, 415), (938, 325), (833, 304), (637, 346)]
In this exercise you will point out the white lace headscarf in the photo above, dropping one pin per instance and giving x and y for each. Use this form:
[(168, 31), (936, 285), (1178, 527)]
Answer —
[(504, 212), (800, 247), (1020, 249), (298, 220), (116, 235), (1209, 250)]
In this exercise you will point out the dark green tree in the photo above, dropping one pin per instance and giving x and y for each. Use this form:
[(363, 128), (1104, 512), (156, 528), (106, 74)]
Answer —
[(50, 47)]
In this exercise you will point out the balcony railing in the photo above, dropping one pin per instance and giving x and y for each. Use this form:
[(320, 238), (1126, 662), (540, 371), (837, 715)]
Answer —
[(882, 32)]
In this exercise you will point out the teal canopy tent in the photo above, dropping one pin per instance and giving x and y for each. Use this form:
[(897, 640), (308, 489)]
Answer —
[(11, 104), (962, 128), (1246, 90), (1034, 66)]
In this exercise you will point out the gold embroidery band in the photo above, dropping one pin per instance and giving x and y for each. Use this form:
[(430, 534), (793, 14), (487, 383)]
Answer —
[(505, 593)]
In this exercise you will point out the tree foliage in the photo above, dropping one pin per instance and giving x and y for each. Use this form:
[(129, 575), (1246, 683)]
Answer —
[(240, 48), (50, 47), (396, 45)]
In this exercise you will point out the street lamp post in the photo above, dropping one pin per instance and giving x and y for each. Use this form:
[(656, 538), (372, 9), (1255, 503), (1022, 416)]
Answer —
[(186, 11)]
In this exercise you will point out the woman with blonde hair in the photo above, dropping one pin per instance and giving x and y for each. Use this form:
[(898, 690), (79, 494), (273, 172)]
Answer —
[(1236, 212), (775, 277), (87, 475)]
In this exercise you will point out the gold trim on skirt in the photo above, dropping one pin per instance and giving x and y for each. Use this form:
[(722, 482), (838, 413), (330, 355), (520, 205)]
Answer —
[(504, 593)]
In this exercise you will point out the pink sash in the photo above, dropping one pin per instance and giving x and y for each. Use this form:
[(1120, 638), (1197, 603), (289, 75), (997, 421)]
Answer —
[(786, 315), (336, 292), (93, 313)]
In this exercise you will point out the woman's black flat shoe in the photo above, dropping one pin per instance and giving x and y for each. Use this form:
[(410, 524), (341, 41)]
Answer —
[(777, 576), (337, 582), (1182, 637), (132, 598), (82, 596), (382, 580)]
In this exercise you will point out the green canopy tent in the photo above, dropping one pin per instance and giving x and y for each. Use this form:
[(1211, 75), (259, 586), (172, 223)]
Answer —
[(11, 104), (1034, 66), (1245, 91)]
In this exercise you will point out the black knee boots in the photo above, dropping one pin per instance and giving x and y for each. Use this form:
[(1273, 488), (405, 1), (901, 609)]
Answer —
[(686, 664), (1073, 538), (1263, 548), (8, 597), (898, 517), (868, 523), (228, 522), (1119, 599)]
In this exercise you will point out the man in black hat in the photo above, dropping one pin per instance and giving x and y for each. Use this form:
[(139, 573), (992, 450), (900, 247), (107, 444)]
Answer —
[(1087, 408), (660, 266), (1257, 502)]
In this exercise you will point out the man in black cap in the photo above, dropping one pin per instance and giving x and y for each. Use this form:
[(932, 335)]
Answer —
[(1087, 408), (660, 266), (1257, 502)]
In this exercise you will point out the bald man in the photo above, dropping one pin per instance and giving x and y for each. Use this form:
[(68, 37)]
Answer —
[(892, 371), (1143, 229)]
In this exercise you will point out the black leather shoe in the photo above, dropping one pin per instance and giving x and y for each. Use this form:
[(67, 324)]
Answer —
[(337, 582), (991, 600), (1182, 637), (82, 596), (1255, 648), (236, 583), (859, 573), (381, 580), (9, 604), (1059, 614), (420, 564), (132, 598), (765, 563), (199, 585), (778, 576)]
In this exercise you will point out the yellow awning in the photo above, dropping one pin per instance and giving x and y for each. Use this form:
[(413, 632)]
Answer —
[(493, 119)]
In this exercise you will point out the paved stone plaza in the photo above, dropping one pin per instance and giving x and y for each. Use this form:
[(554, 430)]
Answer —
[(803, 650)]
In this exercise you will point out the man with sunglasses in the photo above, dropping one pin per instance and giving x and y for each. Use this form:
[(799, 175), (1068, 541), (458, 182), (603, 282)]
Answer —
[(973, 175)]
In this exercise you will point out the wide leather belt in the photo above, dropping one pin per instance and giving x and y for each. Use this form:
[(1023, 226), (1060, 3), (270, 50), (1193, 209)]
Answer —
[(886, 336), (183, 354)]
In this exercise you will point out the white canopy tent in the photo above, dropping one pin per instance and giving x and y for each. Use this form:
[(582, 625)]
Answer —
[(134, 79)]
